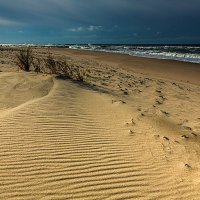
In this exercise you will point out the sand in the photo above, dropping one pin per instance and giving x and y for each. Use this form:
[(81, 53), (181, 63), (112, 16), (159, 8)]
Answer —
[(167, 69), (126, 133)]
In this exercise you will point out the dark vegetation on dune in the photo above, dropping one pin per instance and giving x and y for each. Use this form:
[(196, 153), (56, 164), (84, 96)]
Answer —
[(27, 60)]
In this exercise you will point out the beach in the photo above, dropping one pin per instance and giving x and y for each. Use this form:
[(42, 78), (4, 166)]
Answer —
[(130, 130)]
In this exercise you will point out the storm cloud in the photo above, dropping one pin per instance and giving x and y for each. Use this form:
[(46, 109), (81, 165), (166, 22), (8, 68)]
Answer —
[(100, 21)]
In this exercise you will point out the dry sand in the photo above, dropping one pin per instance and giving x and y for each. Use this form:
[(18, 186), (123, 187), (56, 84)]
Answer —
[(128, 133)]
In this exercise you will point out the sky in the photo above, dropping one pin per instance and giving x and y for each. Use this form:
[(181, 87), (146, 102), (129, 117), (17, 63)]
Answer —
[(100, 21)]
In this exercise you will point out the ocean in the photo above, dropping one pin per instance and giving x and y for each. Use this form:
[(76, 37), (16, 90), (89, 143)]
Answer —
[(186, 53)]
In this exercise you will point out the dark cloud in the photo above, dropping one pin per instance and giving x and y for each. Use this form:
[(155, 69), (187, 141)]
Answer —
[(101, 20)]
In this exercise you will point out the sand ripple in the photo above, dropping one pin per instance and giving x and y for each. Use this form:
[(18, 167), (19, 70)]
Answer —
[(74, 144)]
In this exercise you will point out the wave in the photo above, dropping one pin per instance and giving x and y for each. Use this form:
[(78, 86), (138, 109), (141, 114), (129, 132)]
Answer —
[(176, 52)]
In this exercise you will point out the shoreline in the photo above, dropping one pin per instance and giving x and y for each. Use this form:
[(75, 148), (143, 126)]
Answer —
[(134, 55)]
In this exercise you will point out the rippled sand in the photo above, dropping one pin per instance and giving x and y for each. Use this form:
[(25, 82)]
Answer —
[(123, 135)]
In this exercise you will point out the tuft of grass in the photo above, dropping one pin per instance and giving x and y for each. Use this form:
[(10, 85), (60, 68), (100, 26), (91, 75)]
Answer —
[(37, 65), (25, 58), (64, 69), (80, 74), (71, 71), (51, 64)]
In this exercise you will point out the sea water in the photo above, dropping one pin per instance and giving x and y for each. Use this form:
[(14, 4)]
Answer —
[(186, 53)]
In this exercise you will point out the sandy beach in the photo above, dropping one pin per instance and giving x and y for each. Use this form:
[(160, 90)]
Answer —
[(131, 130)]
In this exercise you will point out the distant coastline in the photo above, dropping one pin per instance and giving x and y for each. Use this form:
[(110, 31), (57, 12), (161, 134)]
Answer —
[(179, 52)]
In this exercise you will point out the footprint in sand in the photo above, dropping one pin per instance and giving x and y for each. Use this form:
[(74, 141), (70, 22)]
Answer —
[(142, 114), (118, 101), (131, 123), (125, 93), (162, 97), (185, 136), (166, 138), (157, 136), (164, 112), (159, 102), (194, 134), (187, 128), (159, 91), (187, 165)]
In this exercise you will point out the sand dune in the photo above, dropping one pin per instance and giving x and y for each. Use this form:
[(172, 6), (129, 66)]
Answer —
[(18, 88), (122, 136), (75, 143)]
